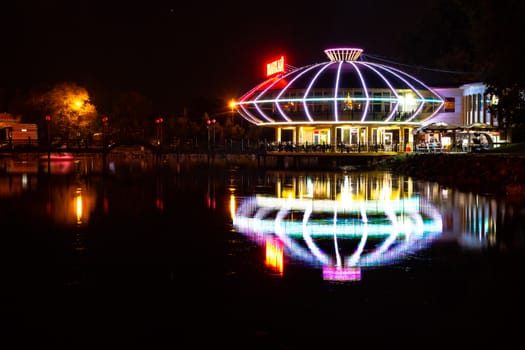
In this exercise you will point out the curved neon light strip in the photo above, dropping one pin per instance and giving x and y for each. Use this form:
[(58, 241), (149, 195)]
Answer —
[(245, 113), (354, 258), (422, 99), (244, 97), (391, 70), (365, 88), (336, 247), (336, 88), (255, 103), (277, 99), (306, 109), (308, 238), (391, 88)]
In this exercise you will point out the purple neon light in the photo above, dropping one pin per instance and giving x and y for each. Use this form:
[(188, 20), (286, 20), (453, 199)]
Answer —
[(257, 105), (411, 86), (254, 119), (323, 258), (325, 65), (341, 274), (250, 93), (370, 66), (336, 88), (365, 89), (336, 245), (284, 89), (390, 69)]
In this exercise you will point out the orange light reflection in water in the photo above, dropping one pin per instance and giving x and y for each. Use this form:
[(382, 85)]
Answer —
[(274, 256)]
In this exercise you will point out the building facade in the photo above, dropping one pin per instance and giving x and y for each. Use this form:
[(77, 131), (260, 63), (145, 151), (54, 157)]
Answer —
[(352, 102)]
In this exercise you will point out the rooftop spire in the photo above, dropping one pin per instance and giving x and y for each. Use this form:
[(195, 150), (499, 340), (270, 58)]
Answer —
[(343, 54)]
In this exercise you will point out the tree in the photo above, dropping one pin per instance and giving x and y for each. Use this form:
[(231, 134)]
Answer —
[(508, 106), (497, 33), (476, 41), (73, 117), (130, 116)]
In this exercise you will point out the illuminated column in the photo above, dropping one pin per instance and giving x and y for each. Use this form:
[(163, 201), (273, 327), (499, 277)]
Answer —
[(478, 108), (469, 110), (484, 108), (463, 110)]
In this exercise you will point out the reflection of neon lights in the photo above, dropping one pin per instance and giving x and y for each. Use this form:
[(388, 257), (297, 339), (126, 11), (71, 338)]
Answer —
[(341, 274), (397, 222)]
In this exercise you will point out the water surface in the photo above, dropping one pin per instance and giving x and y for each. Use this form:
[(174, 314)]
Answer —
[(141, 249)]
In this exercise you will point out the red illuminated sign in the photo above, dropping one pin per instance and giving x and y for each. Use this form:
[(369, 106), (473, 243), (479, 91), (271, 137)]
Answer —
[(274, 67)]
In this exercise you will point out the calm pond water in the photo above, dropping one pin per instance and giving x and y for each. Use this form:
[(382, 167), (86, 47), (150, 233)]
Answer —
[(134, 249)]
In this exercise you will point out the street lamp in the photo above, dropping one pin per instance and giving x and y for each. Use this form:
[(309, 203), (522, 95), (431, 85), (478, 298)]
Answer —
[(232, 105), (158, 123), (104, 131), (211, 124), (48, 122)]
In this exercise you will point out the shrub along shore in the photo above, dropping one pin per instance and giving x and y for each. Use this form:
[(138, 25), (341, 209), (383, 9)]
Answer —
[(499, 174)]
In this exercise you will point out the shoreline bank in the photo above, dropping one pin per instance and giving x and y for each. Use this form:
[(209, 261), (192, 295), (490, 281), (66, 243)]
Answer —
[(502, 175)]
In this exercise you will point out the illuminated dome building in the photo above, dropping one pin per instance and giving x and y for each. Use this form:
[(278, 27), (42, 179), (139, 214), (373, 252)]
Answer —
[(344, 100)]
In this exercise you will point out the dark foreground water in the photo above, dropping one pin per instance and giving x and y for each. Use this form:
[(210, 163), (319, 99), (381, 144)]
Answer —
[(134, 250)]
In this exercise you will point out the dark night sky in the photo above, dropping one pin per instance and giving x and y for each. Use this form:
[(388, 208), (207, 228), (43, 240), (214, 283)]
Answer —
[(175, 52)]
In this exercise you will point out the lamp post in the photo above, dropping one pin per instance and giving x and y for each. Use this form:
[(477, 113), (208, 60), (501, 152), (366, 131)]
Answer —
[(104, 132), (48, 122), (158, 123), (211, 125)]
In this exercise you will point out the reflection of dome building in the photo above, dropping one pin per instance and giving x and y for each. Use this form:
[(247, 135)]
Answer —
[(342, 223), (342, 100)]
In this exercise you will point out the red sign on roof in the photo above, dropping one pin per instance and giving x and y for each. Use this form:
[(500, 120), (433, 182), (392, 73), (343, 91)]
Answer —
[(275, 66)]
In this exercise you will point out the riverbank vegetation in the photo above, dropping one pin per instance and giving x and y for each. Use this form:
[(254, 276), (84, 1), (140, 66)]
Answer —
[(500, 172)]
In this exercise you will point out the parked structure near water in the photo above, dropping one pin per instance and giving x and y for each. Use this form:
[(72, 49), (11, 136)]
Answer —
[(13, 132)]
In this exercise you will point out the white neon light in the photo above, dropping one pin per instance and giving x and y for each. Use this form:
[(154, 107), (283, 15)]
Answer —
[(257, 105), (278, 100), (354, 258), (336, 247), (306, 109), (247, 115), (343, 53), (389, 85), (336, 87), (308, 238), (250, 93), (422, 99), (365, 89)]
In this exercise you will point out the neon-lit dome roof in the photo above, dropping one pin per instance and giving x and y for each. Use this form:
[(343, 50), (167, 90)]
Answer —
[(346, 89)]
